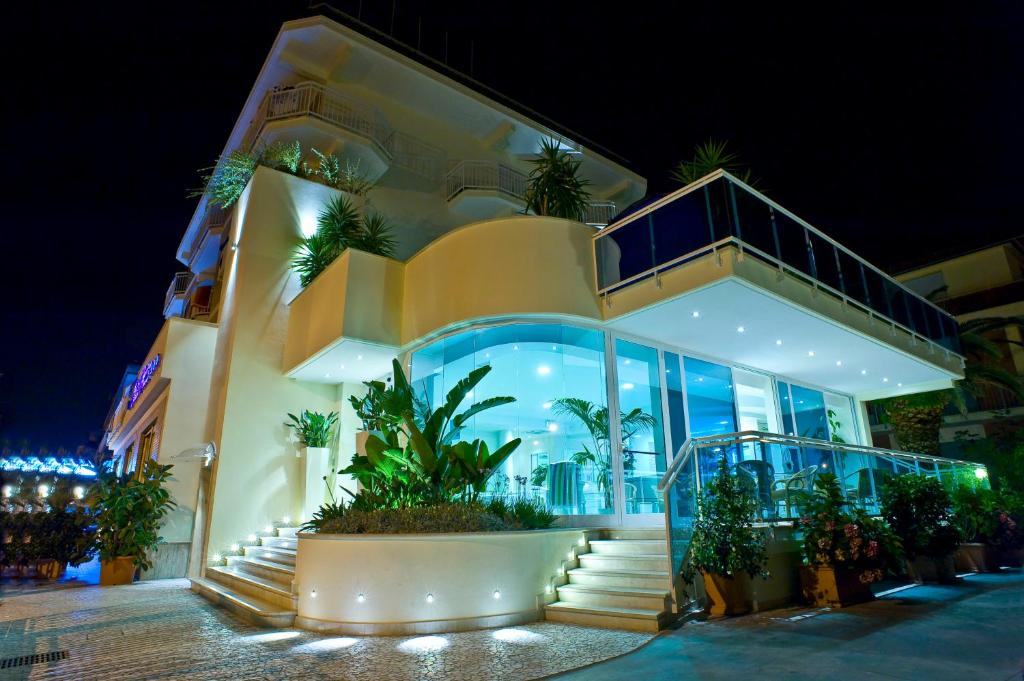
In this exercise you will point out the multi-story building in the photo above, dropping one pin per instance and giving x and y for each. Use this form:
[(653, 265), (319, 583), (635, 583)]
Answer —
[(712, 310), (983, 283)]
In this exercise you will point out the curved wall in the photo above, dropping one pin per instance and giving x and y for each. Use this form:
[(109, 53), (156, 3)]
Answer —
[(395, 573), (524, 265)]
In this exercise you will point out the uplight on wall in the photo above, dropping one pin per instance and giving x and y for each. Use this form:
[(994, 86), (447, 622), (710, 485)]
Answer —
[(430, 598), (44, 491), (79, 492), (308, 224), (980, 473)]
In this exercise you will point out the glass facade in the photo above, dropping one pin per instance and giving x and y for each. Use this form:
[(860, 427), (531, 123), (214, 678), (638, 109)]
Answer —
[(578, 460)]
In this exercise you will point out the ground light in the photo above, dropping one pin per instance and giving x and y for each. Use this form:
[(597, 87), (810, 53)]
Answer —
[(516, 636), (326, 645), (423, 644), (273, 636)]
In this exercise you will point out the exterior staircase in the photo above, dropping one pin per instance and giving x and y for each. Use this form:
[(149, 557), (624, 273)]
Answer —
[(621, 583), (257, 583)]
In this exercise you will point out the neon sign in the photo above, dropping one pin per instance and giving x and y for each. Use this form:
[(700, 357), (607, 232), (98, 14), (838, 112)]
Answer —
[(142, 380)]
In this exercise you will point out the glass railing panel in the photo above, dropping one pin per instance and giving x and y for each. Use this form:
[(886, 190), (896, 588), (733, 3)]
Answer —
[(681, 508), (755, 223), (826, 266), (793, 244)]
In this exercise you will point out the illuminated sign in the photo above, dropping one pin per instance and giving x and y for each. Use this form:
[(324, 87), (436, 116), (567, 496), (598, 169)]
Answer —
[(142, 380)]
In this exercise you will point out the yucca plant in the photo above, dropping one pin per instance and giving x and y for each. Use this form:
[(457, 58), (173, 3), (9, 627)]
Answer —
[(554, 187), (707, 158), (376, 236), (313, 428), (314, 254), (339, 222)]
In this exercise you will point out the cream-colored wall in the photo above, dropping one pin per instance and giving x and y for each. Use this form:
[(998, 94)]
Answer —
[(258, 479), (510, 266), (973, 272)]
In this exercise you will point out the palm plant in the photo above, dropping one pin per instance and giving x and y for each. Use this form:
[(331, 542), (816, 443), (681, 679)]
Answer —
[(375, 236), (339, 222), (916, 419), (340, 226), (554, 187), (595, 421), (314, 254), (707, 158)]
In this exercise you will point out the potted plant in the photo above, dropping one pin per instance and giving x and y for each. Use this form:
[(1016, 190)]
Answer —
[(917, 509), (128, 513), (845, 550), (989, 534), (315, 432), (64, 534), (725, 548)]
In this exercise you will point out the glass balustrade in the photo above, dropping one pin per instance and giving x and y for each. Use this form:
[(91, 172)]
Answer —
[(721, 211)]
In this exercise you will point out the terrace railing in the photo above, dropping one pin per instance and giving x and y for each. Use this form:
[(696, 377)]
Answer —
[(415, 155), (721, 211), (177, 288), (776, 469), (498, 177)]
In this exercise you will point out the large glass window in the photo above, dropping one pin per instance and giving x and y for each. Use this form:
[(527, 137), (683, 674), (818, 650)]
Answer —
[(557, 375), (643, 432), (710, 401)]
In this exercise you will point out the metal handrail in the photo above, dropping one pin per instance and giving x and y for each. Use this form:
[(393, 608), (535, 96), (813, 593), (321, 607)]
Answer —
[(711, 177), (741, 437)]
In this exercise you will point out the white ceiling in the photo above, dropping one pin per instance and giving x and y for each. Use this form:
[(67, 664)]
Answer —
[(726, 306), (348, 361)]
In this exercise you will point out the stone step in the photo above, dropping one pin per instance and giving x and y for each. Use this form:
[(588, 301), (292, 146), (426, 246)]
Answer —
[(633, 619), (640, 598), (612, 561), (633, 533), (258, 587), (628, 547), (289, 532), (266, 569), (280, 542), (251, 609), (648, 579), (273, 554)]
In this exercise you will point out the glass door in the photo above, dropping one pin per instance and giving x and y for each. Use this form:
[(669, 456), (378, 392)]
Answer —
[(642, 452)]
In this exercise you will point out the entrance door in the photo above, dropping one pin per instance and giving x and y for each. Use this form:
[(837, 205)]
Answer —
[(642, 455)]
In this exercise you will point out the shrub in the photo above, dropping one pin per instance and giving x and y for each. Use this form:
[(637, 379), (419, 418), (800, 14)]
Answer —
[(987, 517), (327, 514), (724, 539), (225, 182), (524, 514), (917, 509), (438, 518), (846, 539)]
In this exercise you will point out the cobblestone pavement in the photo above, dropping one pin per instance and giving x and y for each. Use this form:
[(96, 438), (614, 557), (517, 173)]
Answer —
[(161, 630)]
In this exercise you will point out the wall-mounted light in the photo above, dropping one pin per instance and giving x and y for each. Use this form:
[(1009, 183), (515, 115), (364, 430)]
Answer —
[(44, 491), (79, 492), (360, 598), (496, 594), (312, 594), (430, 598)]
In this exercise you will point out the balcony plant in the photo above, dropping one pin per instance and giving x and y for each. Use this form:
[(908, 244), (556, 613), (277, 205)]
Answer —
[(988, 528), (918, 509), (554, 186), (707, 158), (340, 227), (128, 514), (725, 548), (845, 550)]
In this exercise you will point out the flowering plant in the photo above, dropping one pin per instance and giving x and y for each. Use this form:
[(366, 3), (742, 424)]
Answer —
[(846, 538)]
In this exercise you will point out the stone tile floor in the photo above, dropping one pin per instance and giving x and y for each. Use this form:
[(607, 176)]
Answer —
[(161, 630)]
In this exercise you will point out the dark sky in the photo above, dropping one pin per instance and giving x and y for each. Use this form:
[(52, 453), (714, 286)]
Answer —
[(896, 130)]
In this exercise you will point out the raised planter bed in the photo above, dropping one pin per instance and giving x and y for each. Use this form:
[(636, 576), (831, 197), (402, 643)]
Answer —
[(427, 583)]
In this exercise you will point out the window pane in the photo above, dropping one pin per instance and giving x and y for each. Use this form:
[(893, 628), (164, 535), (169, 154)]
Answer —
[(709, 400), (643, 433)]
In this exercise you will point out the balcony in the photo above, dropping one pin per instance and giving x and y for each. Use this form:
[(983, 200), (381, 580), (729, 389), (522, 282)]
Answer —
[(366, 135), (719, 212), (204, 250), (177, 295), (486, 189)]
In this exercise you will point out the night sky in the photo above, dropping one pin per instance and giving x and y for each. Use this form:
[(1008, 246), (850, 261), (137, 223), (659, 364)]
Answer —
[(897, 131)]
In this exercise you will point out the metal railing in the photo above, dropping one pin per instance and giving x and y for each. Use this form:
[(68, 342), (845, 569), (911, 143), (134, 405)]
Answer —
[(415, 155), (214, 217), (777, 469), (718, 211), (313, 99), (496, 176), (178, 287)]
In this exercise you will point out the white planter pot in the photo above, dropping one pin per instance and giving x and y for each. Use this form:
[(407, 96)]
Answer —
[(317, 465)]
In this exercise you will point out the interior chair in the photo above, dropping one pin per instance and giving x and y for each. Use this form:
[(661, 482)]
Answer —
[(759, 476), (801, 481)]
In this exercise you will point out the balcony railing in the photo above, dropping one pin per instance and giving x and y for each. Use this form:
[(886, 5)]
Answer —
[(719, 210), (176, 294), (776, 469), (214, 217), (498, 177), (317, 101), (415, 155)]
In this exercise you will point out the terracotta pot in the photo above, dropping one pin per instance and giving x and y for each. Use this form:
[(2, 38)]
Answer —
[(976, 557), (837, 588), (727, 595), (932, 570), (50, 569), (121, 570)]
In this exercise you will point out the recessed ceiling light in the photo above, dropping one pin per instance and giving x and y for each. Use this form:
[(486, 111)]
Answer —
[(543, 370), (342, 366), (863, 372), (628, 361), (628, 386), (536, 442), (899, 385), (695, 314), (885, 380), (740, 329), (547, 405), (810, 353), (839, 362), (552, 427), (515, 347), (778, 342), (327, 375), (700, 379), (359, 356)]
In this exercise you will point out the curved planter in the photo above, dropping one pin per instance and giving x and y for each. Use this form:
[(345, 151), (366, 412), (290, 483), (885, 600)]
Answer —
[(427, 583)]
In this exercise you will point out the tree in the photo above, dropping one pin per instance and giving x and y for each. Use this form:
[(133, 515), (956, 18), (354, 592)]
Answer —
[(554, 187)]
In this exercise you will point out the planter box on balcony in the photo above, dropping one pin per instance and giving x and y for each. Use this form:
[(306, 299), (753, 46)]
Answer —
[(837, 588)]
